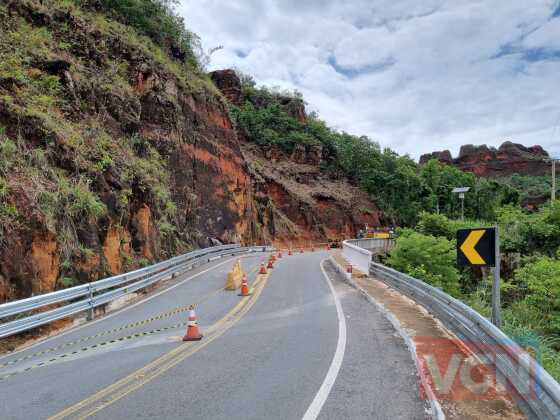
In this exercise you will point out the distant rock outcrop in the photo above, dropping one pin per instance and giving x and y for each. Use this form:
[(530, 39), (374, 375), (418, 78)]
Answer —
[(228, 82), (510, 158)]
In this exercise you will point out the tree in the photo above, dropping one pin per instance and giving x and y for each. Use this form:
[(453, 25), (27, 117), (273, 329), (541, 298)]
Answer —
[(542, 278), (428, 258)]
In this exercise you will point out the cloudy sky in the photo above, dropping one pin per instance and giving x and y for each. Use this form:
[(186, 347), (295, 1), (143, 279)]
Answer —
[(414, 75)]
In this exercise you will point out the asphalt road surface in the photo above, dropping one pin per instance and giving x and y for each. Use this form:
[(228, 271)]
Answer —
[(304, 345)]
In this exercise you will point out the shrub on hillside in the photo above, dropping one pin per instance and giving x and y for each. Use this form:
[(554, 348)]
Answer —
[(427, 258), (542, 277), (156, 19), (530, 232)]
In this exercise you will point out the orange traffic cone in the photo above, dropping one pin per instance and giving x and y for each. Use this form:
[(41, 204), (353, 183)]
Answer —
[(273, 258), (270, 264), (192, 333), (263, 269), (279, 254), (244, 287), (289, 252), (301, 250)]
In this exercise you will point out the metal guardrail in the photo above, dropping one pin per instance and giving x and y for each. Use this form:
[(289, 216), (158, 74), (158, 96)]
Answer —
[(359, 252), (104, 291), (489, 340)]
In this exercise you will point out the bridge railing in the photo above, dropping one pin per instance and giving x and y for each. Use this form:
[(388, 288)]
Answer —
[(359, 252), (95, 294), (479, 332)]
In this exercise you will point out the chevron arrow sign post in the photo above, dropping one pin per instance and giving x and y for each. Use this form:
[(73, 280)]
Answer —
[(481, 247)]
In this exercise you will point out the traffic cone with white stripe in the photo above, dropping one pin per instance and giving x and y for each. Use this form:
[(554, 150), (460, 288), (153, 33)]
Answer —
[(262, 269), (270, 264), (290, 251), (192, 334), (244, 287), (279, 254)]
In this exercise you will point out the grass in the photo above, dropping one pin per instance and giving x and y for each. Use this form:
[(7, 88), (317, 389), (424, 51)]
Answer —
[(55, 179), (522, 324)]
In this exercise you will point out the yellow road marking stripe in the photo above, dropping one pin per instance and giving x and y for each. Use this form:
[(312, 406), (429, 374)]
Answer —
[(159, 366), (107, 332)]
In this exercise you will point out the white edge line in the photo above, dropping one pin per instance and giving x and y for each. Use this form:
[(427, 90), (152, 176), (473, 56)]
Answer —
[(119, 311), (321, 397), (437, 412)]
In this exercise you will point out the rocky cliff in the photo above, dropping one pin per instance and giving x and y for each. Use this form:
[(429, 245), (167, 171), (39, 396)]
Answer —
[(115, 153), (510, 158), (296, 200)]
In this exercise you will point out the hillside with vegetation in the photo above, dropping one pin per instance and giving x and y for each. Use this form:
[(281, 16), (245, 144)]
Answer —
[(530, 271), (117, 150)]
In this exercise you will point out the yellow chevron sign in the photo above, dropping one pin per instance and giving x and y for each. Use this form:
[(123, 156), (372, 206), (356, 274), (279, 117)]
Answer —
[(476, 247)]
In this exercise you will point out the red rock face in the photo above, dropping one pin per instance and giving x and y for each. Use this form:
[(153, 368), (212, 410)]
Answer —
[(510, 158), (297, 204), (229, 84), (222, 187)]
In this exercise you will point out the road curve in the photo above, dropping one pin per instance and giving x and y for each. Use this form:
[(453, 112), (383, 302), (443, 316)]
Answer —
[(286, 352)]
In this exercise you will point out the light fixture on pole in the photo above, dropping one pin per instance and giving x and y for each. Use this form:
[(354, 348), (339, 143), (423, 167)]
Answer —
[(461, 191)]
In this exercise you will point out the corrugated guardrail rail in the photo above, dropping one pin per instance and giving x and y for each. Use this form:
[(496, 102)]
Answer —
[(489, 340), (103, 291)]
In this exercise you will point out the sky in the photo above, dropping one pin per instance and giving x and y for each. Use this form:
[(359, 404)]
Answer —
[(413, 75)]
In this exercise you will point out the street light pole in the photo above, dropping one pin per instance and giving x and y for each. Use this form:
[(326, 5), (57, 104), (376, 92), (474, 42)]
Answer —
[(461, 191), (553, 187), (553, 192)]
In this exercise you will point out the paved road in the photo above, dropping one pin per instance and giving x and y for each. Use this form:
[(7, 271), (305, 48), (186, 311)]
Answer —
[(298, 347)]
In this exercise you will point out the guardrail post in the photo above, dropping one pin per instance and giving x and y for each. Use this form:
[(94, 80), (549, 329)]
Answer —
[(91, 311)]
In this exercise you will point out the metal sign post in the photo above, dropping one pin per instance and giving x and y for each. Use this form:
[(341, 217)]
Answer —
[(496, 306), (481, 248)]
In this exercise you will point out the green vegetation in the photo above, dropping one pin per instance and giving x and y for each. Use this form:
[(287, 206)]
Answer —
[(421, 197), (54, 178), (157, 20), (397, 184), (530, 271), (531, 188), (428, 258)]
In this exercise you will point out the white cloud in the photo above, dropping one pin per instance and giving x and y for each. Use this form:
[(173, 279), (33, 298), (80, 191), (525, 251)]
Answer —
[(415, 76)]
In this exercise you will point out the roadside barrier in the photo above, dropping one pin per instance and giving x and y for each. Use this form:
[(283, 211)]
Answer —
[(89, 296), (543, 400)]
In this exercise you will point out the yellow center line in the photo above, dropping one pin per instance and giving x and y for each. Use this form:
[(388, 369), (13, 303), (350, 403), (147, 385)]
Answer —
[(142, 376)]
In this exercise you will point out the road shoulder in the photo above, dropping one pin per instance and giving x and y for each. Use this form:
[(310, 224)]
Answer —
[(414, 321), (378, 377)]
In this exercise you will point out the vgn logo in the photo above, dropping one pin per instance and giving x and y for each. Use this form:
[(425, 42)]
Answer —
[(458, 370)]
